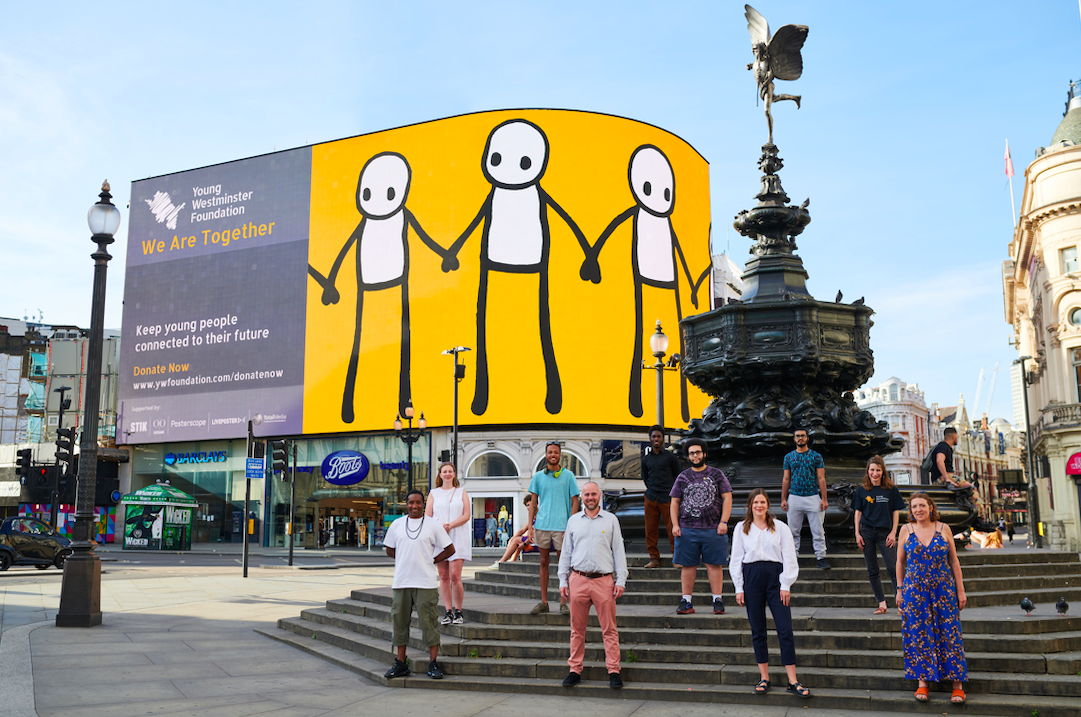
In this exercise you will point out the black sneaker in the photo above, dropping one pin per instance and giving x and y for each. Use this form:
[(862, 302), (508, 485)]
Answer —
[(458, 617), (572, 679), (684, 608), (398, 669), (433, 670), (718, 606), (822, 564), (447, 619), (614, 680)]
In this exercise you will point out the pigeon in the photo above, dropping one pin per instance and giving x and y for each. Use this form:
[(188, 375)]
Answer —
[(1062, 606), (858, 302), (839, 297), (1027, 606)]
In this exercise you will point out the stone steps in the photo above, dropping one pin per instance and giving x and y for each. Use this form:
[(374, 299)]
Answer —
[(849, 658)]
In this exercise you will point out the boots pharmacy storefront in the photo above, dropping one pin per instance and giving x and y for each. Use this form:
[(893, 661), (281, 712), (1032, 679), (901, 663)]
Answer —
[(348, 488)]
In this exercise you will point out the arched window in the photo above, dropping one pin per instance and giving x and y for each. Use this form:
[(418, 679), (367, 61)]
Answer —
[(893, 392), (570, 461), (492, 464)]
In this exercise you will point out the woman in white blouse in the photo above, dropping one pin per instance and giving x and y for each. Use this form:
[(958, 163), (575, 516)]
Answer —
[(763, 568)]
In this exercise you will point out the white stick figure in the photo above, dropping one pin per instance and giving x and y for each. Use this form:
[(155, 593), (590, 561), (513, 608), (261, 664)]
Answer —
[(515, 239), (654, 248), (382, 258)]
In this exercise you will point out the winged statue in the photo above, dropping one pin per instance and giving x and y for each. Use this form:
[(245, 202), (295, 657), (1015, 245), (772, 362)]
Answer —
[(775, 58)]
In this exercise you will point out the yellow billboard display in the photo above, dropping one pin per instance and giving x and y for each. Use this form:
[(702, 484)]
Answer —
[(549, 242)]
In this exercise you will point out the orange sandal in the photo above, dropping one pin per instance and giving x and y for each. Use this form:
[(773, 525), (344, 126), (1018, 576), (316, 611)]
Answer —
[(922, 694), (958, 697)]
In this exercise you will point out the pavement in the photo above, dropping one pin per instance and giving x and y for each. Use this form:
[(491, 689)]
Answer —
[(184, 645)]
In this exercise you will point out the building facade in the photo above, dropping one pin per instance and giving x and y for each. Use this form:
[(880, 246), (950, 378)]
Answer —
[(903, 407), (1042, 296)]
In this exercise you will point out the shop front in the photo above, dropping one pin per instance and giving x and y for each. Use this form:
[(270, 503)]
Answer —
[(348, 490)]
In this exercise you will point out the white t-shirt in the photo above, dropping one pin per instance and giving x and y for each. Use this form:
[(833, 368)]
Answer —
[(413, 566)]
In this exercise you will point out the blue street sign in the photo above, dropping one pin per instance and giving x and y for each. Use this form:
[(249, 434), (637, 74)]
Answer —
[(254, 468)]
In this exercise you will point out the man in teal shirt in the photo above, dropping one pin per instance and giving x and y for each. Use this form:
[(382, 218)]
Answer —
[(554, 501)]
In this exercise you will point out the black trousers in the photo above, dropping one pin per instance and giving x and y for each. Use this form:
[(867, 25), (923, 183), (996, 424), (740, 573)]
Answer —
[(761, 587), (876, 538)]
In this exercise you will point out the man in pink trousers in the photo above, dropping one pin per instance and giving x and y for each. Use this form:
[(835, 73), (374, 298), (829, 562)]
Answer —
[(593, 571)]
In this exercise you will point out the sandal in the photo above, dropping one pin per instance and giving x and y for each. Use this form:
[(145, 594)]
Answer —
[(799, 689), (922, 694), (762, 687), (958, 697), (881, 610)]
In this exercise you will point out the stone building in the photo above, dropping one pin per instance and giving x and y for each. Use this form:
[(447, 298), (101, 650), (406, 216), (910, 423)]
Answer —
[(1042, 294), (903, 407)]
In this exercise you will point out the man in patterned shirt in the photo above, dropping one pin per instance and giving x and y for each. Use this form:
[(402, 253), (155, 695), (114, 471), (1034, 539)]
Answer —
[(803, 493), (701, 505)]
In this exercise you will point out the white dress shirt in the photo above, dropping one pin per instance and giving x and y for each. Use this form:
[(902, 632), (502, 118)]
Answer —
[(593, 545), (757, 545)]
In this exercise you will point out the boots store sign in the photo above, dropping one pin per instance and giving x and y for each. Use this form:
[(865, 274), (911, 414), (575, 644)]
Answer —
[(345, 468)]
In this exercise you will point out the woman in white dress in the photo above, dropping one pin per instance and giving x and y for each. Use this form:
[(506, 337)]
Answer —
[(449, 504)]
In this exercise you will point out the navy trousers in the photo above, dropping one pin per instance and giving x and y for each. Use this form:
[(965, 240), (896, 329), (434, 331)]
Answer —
[(761, 587)]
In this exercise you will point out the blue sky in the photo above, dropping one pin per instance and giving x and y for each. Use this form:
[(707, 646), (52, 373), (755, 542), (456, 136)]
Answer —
[(898, 144)]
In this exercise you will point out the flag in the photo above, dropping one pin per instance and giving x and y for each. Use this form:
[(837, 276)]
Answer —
[(1009, 162)]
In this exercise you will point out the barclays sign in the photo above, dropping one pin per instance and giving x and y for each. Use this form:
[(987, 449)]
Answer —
[(345, 468)]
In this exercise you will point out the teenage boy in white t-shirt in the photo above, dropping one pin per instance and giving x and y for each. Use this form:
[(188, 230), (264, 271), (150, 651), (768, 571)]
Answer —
[(412, 540)]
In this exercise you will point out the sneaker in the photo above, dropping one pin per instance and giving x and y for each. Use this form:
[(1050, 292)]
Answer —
[(685, 607), (539, 608), (822, 564), (398, 669), (614, 680), (447, 619), (718, 607), (458, 617), (433, 670), (564, 608), (572, 679)]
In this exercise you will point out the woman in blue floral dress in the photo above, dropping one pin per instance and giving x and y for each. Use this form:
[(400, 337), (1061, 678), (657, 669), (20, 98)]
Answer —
[(930, 599)]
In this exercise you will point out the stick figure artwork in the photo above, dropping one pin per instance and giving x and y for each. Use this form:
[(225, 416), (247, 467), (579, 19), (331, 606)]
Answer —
[(382, 258), (515, 239), (654, 248)]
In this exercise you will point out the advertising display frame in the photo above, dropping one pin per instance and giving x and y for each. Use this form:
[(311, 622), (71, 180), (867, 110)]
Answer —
[(158, 517)]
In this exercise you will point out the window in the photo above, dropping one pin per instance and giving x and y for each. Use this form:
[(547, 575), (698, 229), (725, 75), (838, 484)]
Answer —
[(1075, 317), (1069, 260), (492, 464), (568, 460), (1075, 354), (893, 392)]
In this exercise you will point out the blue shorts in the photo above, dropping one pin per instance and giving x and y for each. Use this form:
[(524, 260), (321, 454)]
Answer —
[(695, 546)]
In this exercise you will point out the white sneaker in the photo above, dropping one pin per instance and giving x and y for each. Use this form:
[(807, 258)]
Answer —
[(447, 619)]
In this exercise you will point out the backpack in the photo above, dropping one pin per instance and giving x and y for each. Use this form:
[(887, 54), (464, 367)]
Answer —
[(926, 466)]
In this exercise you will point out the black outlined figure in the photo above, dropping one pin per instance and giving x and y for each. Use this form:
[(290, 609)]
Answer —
[(515, 239), (654, 248), (382, 257)]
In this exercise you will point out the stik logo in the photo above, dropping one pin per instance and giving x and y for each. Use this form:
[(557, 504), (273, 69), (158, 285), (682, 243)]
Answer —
[(345, 468)]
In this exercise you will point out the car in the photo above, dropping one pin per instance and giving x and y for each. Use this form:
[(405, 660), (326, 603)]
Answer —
[(29, 541)]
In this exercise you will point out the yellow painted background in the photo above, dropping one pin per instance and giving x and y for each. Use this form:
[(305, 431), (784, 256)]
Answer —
[(592, 324)]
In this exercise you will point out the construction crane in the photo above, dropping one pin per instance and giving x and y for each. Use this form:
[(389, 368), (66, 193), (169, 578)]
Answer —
[(991, 395), (979, 388)]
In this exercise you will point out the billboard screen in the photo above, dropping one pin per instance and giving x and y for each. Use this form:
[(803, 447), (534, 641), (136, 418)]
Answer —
[(317, 287)]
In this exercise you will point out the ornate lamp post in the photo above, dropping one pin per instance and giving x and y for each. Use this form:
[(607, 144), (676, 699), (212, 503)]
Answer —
[(409, 437), (658, 343), (80, 594), (1034, 537)]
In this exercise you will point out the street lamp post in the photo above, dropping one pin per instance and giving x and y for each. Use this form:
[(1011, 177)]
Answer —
[(80, 593), (409, 437), (1034, 537), (459, 374), (658, 343)]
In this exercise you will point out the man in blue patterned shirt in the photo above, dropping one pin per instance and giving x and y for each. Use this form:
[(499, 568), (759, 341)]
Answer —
[(803, 493)]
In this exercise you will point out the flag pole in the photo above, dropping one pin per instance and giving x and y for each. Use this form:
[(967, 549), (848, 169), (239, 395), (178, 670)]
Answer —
[(1009, 173)]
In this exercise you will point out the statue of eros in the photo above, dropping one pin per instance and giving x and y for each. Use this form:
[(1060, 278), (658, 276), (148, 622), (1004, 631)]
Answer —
[(775, 58)]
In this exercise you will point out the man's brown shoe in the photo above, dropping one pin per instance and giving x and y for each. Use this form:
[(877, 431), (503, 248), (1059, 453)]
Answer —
[(653, 563), (539, 608)]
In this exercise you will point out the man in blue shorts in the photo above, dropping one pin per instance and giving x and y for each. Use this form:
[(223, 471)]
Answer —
[(701, 506)]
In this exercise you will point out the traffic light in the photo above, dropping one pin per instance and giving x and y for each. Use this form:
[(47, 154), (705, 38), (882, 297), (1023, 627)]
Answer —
[(22, 465), (65, 447), (279, 456)]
